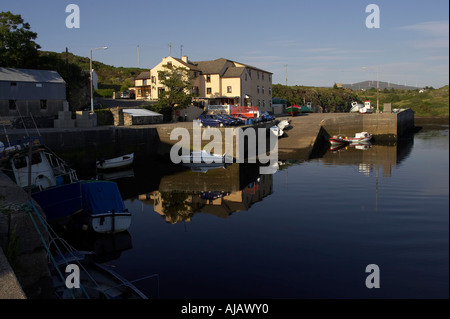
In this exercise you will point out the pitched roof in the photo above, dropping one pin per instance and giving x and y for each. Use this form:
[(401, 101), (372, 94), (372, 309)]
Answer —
[(212, 66), (233, 72), (189, 64), (217, 66), (30, 75), (143, 75)]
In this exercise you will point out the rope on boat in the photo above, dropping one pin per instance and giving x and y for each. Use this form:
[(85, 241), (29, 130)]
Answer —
[(44, 223)]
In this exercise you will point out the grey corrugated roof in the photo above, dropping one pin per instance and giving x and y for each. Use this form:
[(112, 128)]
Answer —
[(30, 75)]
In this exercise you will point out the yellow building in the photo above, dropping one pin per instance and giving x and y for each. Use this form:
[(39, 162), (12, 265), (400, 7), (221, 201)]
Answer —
[(219, 82)]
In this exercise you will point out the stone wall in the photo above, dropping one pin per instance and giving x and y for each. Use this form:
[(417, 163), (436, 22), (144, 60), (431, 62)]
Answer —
[(21, 241)]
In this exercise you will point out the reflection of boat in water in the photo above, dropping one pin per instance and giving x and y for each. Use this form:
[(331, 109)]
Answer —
[(364, 146), (116, 163), (96, 281), (211, 195), (115, 174), (337, 147)]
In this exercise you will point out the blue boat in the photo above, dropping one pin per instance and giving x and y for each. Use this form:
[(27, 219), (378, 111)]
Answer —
[(58, 191)]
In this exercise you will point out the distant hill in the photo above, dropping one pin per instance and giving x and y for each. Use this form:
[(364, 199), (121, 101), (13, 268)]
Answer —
[(367, 85), (109, 77)]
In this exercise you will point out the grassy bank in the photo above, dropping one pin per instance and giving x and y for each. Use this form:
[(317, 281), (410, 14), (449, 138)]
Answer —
[(430, 103)]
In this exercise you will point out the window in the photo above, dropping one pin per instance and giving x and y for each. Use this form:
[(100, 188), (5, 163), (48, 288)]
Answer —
[(270, 78), (153, 79), (262, 76), (13, 84), (264, 103), (228, 89), (208, 78), (43, 104), (12, 105), (145, 82), (263, 89), (38, 85), (169, 64), (208, 90), (270, 90), (259, 103), (257, 89)]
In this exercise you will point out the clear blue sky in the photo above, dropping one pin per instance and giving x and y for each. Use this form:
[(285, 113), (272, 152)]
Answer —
[(321, 42)]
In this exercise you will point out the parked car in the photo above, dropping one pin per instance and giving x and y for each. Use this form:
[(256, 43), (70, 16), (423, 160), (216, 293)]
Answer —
[(265, 116), (125, 95), (228, 120), (210, 120), (239, 121)]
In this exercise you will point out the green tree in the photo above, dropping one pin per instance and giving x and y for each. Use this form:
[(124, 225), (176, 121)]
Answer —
[(17, 46), (177, 83)]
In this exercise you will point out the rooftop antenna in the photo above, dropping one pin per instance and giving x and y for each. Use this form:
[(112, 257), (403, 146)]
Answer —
[(170, 49), (181, 51)]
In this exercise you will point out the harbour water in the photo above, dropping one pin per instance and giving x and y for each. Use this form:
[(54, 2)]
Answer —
[(307, 231)]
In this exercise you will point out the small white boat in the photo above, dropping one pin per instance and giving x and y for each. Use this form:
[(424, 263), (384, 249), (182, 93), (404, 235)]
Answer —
[(283, 124), (360, 138), (366, 109), (117, 162), (202, 161), (356, 107), (277, 131)]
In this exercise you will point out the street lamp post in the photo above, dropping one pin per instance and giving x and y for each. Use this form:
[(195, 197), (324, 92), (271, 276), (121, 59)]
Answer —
[(91, 72)]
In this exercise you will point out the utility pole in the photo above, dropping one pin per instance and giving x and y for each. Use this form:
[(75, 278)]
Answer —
[(286, 73), (170, 49), (139, 61)]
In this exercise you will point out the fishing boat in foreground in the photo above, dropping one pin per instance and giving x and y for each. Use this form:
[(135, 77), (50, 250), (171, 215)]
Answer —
[(57, 189), (116, 163), (53, 184), (96, 281)]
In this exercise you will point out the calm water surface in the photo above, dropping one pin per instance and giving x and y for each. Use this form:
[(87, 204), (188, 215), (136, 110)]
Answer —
[(307, 231)]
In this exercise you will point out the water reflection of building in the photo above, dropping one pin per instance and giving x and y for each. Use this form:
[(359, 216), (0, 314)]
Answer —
[(222, 193), (376, 156)]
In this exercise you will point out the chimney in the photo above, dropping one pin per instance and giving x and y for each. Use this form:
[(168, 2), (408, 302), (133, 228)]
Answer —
[(184, 59)]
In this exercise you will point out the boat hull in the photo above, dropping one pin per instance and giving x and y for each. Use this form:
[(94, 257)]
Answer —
[(116, 163), (61, 202)]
